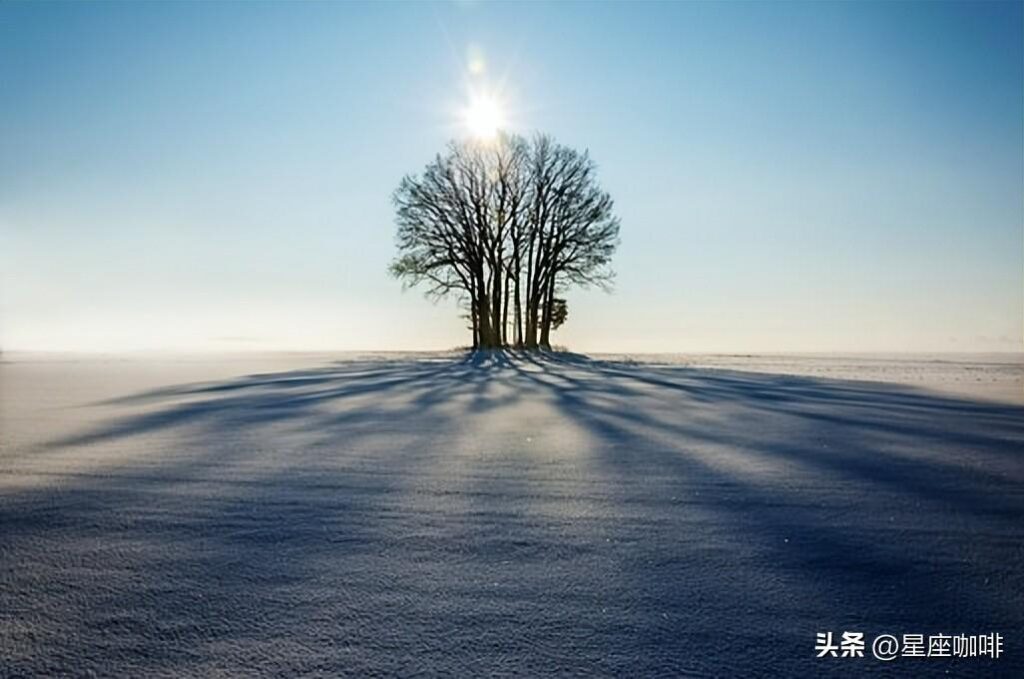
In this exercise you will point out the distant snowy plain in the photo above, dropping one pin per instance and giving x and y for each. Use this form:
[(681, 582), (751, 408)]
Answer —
[(445, 514)]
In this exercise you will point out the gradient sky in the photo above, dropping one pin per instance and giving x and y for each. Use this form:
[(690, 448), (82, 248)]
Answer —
[(804, 177)]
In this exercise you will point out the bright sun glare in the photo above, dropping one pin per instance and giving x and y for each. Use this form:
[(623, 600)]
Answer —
[(484, 117)]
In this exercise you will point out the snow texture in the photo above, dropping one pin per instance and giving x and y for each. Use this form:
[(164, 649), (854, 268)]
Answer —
[(442, 514)]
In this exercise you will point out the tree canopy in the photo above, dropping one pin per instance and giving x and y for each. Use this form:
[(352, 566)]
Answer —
[(503, 226)]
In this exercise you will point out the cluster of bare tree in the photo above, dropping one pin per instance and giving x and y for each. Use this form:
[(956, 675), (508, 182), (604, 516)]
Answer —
[(506, 225)]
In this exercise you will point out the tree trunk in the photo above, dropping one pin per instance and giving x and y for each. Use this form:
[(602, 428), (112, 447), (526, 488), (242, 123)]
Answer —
[(476, 325), (484, 313), (549, 297), (496, 306), (504, 314), (532, 310), (519, 311), (530, 340), (487, 340)]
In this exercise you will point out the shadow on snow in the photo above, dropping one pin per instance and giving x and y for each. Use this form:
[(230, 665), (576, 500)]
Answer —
[(702, 522)]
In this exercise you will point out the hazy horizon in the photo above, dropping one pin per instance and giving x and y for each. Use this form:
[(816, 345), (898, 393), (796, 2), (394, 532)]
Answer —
[(806, 178)]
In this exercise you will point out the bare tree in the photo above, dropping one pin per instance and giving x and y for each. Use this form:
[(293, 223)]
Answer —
[(574, 231), (504, 226)]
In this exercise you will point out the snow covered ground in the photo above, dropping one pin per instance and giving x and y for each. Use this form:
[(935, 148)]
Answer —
[(441, 514), (993, 376)]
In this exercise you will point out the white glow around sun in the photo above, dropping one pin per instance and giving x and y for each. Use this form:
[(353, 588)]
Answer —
[(484, 116)]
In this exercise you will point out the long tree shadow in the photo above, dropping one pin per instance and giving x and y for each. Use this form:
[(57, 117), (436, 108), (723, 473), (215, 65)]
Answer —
[(271, 480), (508, 513), (839, 499)]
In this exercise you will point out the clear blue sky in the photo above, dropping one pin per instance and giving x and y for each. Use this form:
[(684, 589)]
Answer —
[(824, 176)]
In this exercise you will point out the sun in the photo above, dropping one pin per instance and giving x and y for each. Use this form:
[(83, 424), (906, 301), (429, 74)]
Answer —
[(484, 116)]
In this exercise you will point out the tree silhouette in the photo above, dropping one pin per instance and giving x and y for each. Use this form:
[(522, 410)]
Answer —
[(504, 225), (559, 312)]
